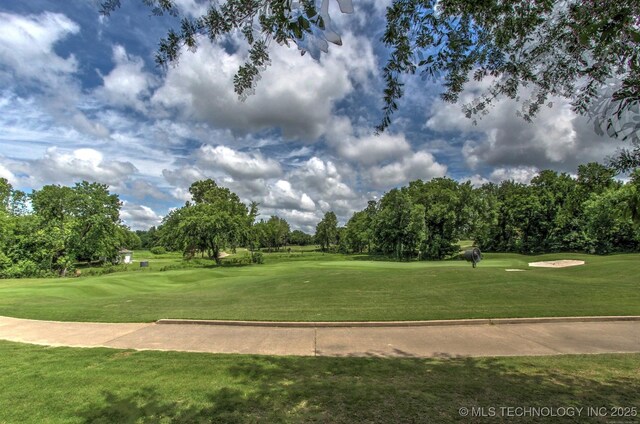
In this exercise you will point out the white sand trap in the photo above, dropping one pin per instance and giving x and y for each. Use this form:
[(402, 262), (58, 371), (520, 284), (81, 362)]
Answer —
[(556, 264), (513, 270), (223, 255)]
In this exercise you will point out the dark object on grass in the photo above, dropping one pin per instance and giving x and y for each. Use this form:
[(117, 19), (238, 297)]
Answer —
[(144, 264), (473, 255)]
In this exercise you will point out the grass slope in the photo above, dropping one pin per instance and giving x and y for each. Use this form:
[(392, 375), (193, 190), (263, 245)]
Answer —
[(66, 385), (316, 287)]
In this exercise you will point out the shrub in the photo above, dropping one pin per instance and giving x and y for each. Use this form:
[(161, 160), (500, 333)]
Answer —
[(257, 258), (158, 250), (23, 269), (106, 269)]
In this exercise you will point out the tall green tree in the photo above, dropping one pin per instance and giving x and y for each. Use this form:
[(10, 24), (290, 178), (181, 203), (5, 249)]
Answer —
[(96, 230), (6, 225), (300, 238), (327, 230), (23, 249), (399, 226), (13, 201), (64, 225), (356, 233), (415, 233), (608, 227), (216, 220), (273, 233), (594, 178), (78, 223), (556, 196), (484, 215), (632, 204), (148, 238), (446, 214)]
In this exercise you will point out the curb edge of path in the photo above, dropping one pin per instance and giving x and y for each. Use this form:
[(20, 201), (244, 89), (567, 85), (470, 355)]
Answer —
[(434, 323)]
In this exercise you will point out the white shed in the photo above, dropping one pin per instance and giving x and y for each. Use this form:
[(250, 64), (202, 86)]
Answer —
[(125, 256)]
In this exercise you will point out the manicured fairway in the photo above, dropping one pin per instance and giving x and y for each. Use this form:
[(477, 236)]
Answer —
[(315, 287), (66, 385)]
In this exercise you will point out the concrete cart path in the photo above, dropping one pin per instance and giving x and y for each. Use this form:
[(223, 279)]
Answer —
[(480, 339)]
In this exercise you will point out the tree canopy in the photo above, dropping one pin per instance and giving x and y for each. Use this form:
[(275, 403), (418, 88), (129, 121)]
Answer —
[(273, 233), (585, 51), (215, 220), (592, 213), (327, 230), (65, 225)]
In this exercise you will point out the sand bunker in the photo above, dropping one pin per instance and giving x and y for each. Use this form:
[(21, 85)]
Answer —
[(513, 270), (556, 264)]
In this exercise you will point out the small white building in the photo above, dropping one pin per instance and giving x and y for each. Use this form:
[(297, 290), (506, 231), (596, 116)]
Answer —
[(125, 256)]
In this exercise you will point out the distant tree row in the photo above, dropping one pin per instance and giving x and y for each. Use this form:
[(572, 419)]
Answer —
[(592, 213), (271, 234), (51, 229)]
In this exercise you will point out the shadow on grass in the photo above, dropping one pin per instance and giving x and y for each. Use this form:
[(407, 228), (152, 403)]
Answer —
[(148, 406), (372, 390)]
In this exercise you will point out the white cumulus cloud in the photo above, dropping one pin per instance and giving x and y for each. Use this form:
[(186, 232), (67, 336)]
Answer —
[(85, 163), (519, 174), (282, 195), (238, 165), (6, 174), (557, 137), (127, 84), (26, 46), (420, 165), (295, 94), (322, 179), (139, 217), (365, 148)]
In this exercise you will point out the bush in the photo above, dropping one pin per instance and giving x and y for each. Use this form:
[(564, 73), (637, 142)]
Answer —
[(257, 258), (158, 250), (107, 269), (23, 269)]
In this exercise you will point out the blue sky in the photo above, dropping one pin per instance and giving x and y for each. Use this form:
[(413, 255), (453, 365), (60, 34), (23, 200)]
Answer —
[(81, 98)]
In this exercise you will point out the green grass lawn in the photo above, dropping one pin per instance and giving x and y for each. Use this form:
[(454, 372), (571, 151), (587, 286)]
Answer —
[(309, 286), (67, 385)]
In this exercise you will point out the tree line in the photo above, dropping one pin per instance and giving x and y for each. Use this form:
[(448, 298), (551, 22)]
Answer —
[(51, 229), (592, 213)]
